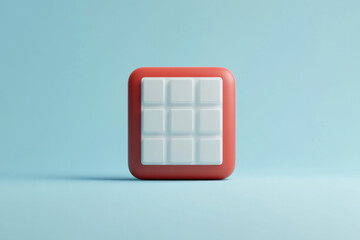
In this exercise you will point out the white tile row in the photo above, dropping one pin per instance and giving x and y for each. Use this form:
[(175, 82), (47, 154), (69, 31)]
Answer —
[(181, 151), (182, 121), (181, 91)]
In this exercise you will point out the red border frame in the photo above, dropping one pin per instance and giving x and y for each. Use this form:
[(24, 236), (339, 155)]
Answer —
[(181, 171)]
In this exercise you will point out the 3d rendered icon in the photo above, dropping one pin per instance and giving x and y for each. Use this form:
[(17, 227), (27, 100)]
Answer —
[(181, 123)]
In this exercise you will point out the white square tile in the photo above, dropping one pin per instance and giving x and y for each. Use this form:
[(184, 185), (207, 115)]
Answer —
[(181, 121), (210, 121), (181, 91), (152, 151), (210, 91), (181, 150), (153, 90), (210, 151), (153, 121)]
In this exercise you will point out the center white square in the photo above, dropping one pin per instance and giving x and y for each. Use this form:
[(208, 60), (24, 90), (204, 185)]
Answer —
[(181, 121)]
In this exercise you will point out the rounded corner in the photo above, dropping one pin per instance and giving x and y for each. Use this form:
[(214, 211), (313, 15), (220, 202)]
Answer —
[(227, 75), (135, 172), (230, 171), (136, 74)]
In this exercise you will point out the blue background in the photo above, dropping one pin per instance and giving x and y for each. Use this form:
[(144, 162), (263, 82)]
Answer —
[(64, 67)]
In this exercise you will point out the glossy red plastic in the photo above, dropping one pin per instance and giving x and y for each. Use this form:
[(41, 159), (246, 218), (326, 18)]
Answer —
[(141, 171)]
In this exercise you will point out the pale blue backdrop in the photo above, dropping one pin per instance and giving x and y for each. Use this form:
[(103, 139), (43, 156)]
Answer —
[(64, 67)]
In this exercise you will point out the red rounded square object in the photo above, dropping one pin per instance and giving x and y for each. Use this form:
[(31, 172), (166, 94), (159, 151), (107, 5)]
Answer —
[(176, 168)]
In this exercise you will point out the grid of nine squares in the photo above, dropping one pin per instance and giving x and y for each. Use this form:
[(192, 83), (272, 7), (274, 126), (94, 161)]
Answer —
[(194, 105)]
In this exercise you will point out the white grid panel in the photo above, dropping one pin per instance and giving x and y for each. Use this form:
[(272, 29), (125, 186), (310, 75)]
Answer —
[(181, 121)]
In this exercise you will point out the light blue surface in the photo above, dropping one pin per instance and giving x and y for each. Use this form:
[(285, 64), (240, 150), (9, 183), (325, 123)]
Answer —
[(64, 67), (239, 208)]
